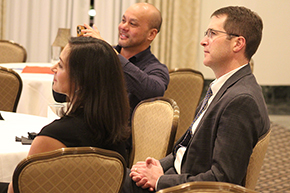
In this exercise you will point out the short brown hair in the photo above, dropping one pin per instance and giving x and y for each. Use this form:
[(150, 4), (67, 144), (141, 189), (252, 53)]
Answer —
[(244, 22)]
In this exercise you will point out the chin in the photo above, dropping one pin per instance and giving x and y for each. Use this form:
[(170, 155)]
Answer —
[(56, 90), (206, 63), (124, 43)]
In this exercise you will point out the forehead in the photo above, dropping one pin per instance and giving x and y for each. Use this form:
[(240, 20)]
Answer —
[(217, 22), (64, 53), (137, 13)]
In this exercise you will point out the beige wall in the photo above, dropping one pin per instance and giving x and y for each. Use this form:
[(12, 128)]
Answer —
[(2, 18), (272, 58)]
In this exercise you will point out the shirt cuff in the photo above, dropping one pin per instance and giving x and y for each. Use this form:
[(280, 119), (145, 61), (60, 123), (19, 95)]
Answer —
[(157, 183)]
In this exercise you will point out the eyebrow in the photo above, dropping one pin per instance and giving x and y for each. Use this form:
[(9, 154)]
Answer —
[(132, 19)]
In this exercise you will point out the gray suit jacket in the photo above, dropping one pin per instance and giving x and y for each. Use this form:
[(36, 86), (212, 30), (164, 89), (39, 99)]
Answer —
[(224, 139)]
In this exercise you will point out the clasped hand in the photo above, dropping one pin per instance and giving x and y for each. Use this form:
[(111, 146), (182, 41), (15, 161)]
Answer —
[(146, 174)]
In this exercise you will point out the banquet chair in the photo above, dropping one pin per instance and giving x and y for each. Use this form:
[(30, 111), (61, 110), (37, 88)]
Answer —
[(10, 89), (12, 52), (154, 124), (185, 87), (256, 161), (206, 187), (69, 170)]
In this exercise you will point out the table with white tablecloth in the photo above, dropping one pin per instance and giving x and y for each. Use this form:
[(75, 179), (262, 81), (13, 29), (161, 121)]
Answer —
[(37, 89), (12, 152)]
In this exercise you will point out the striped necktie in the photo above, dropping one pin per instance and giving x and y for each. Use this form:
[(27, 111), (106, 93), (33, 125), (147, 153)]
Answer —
[(188, 134)]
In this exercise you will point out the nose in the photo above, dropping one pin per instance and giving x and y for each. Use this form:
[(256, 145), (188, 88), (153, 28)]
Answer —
[(123, 26), (53, 68), (204, 41)]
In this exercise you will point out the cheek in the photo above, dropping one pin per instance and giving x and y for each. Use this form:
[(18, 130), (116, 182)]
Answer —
[(63, 79)]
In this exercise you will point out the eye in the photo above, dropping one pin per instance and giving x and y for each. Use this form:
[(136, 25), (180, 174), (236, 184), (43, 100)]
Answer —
[(60, 65), (213, 32), (133, 24), (206, 32)]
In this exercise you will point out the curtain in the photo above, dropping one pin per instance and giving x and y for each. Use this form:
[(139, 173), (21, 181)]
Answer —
[(109, 15), (2, 18), (34, 23), (177, 43)]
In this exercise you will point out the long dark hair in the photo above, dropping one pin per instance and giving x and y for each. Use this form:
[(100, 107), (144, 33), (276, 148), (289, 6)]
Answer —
[(97, 78)]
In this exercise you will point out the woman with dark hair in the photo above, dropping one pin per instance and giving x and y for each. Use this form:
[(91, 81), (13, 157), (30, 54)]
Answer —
[(89, 73)]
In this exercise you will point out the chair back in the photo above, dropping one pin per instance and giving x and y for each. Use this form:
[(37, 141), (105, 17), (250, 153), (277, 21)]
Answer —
[(206, 187), (256, 161), (12, 52), (154, 124), (10, 89), (185, 87), (69, 170)]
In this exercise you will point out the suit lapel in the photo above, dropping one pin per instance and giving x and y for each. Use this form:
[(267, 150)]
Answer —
[(246, 70)]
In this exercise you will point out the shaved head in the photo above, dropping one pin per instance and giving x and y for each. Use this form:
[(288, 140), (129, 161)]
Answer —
[(152, 14)]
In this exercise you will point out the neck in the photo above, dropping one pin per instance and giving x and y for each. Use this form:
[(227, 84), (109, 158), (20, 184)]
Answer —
[(131, 51), (229, 67)]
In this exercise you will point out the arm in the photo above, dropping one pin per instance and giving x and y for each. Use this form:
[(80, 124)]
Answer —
[(149, 79), (167, 162), (39, 145), (43, 144)]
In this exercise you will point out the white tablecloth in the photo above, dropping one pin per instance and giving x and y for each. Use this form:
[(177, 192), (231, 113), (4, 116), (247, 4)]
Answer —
[(36, 91), (12, 152)]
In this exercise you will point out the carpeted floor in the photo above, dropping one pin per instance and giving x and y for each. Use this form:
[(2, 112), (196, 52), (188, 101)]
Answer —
[(275, 173)]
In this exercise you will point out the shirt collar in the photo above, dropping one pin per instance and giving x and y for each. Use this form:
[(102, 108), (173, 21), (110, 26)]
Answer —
[(218, 83), (136, 57)]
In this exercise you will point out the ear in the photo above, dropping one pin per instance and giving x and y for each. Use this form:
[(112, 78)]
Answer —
[(239, 44), (152, 34)]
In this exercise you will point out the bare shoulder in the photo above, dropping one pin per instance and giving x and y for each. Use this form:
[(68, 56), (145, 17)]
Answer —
[(43, 144)]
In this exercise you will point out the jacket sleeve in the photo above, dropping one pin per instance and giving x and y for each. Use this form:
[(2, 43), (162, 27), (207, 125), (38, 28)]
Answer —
[(146, 83)]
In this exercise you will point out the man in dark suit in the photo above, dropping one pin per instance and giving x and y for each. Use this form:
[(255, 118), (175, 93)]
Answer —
[(219, 143)]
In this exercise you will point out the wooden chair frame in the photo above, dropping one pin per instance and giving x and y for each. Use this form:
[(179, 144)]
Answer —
[(10, 72), (65, 152), (16, 45), (206, 187)]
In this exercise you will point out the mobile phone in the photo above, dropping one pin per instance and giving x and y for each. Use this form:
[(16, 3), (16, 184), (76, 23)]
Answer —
[(79, 30)]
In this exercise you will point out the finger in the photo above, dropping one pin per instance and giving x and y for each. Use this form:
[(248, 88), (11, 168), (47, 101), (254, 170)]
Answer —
[(147, 185), (149, 160), (134, 169), (141, 182), (136, 179), (140, 163), (87, 26), (95, 27), (132, 174)]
